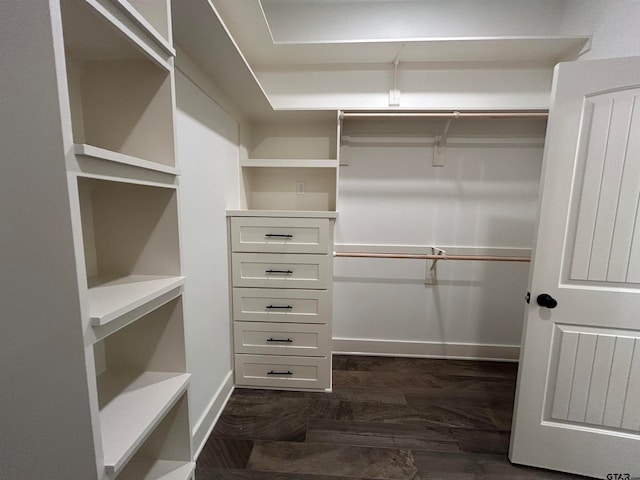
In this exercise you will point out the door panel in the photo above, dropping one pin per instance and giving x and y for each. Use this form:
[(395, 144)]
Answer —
[(594, 381), (578, 395), (608, 160)]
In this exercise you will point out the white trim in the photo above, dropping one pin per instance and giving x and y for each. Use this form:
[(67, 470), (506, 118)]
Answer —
[(401, 348), (204, 426)]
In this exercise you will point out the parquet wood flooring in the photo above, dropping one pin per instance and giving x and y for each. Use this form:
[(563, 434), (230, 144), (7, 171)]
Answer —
[(386, 418)]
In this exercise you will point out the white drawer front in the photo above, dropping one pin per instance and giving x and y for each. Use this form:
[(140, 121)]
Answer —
[(281, 305), (284, 372), (281, 339), (280, 270), (283, 235)]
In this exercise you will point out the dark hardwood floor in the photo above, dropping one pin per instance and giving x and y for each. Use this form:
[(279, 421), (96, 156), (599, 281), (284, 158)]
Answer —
[(387, 418)]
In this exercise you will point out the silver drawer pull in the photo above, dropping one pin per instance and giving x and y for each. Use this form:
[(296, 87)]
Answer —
[(285, 340), (279, 307), (278, 235), (280, 272), (271, 372)]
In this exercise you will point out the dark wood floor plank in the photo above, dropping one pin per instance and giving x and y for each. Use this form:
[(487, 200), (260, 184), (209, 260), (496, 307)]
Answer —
[(248, 427), (225, 453), (370, 394), (431, 366), (399, 414), (352, 378), (481, 441), (336, 460), (383, 435), (498, 399), (482, 466), (236, 474)]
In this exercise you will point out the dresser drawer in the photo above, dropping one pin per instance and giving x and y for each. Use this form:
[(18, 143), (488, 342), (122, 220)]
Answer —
[(280, 270), (284, 372), (283, 235), (281, 338), (281, 305)]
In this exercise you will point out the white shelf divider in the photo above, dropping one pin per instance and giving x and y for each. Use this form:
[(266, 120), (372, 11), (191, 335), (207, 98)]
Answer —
[(132, 406), (111, 299), (111, 156), (288, 163), (151, 469)]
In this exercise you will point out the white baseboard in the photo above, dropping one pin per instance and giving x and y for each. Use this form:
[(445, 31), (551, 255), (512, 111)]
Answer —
[(471, 351), (207, 421)]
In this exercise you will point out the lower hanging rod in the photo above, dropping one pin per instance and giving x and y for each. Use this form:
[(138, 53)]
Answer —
[(485, 258)]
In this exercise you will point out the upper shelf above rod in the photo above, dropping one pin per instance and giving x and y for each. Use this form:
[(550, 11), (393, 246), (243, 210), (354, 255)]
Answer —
[(444, 115)]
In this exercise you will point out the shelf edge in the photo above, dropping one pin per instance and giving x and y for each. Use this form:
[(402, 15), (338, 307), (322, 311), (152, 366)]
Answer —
[(121, 158), (101, 321), (283, 213), (117, 466)]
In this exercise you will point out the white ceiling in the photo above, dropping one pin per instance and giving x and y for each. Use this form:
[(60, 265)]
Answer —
[(289, 33), (238, 42)]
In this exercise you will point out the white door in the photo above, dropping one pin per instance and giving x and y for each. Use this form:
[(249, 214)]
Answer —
[(578, 396)]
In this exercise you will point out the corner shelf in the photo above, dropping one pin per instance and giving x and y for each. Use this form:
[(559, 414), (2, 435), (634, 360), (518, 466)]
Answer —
[(110, 299), (146, 469), (131, 405)]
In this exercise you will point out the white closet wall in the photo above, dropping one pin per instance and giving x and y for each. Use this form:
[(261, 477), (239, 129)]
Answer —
[(207, 141), (613, 25), (392, 199)]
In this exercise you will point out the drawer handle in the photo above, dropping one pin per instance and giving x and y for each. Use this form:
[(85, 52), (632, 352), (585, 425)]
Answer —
[(271, 372), (285, 340), (280, 272), (281, 307), (278, 235)]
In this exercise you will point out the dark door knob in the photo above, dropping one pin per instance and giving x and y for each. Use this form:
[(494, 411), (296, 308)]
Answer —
[(546, 300)]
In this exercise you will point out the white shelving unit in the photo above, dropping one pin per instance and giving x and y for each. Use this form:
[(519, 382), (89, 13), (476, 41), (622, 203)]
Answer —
[(120, 89), (281, 267), (291, 167), (122, 180)]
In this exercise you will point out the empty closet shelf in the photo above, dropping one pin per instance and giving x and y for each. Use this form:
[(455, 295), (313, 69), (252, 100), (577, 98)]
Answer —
[(120, 158), (147, 469), (131, 405), (110, 299)]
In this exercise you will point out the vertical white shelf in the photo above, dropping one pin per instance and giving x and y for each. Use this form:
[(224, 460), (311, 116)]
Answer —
[(291, 167), (141, 378), (121, 96), (131, 245), (122, 169)]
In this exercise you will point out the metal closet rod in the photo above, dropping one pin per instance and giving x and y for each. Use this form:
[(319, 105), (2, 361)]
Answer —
[(448, 115), (485, 258)]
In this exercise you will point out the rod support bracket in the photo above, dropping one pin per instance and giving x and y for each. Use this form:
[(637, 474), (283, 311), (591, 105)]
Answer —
[(431, 272)]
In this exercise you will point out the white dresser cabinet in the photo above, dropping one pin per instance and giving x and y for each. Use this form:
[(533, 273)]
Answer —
[(281, 270)]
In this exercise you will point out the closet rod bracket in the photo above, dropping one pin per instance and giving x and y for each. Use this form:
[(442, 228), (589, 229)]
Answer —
[(431, 272), (440, 142)]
